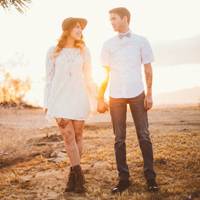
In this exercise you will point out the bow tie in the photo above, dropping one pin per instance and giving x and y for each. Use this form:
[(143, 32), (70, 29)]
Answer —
[(124, 35)]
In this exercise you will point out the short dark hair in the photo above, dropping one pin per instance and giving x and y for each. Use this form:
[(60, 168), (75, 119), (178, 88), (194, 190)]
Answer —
[(121, 11)]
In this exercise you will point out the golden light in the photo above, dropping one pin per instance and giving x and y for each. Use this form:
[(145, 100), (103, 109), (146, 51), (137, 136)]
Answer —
[(32, 34)]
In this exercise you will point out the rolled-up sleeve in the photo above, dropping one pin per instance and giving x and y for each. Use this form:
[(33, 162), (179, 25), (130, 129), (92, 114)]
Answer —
[(147, 53), (105, 56)]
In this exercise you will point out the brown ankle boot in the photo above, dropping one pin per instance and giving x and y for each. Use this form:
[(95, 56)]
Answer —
[(79, 177), (71, 181)]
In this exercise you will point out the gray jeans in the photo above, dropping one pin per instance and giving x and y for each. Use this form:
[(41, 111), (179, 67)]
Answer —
[(118, 110)]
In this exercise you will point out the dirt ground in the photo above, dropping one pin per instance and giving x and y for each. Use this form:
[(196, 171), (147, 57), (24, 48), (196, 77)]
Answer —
[(27, 141)]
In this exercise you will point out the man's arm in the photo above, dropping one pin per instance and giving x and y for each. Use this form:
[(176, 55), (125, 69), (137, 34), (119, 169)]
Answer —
[(102, 106), (148, 101)]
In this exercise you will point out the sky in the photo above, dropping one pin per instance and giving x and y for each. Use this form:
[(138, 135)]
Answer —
[(32, 34)]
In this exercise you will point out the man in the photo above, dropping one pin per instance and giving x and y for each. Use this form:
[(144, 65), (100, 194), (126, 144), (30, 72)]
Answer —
[(122, 57)]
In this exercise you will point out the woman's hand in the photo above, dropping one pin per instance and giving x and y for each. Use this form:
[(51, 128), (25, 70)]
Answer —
[(45, 111)]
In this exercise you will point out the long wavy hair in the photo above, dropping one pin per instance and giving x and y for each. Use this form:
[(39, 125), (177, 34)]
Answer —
[(80, 44)]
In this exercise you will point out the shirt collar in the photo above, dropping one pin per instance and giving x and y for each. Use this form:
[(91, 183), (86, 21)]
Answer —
[(129, 31)]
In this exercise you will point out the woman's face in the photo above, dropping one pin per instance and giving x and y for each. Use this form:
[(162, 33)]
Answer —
[(76, 32)]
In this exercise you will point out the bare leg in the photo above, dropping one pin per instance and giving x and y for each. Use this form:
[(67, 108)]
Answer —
[(67, 131), (78, 128)]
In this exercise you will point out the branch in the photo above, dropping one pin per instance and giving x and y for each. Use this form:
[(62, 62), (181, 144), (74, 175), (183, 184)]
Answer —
[(20, 5)]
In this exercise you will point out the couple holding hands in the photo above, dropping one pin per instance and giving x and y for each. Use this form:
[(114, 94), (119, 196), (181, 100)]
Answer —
[(70, 88)]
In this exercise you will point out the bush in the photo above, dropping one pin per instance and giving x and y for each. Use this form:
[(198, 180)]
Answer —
[(13, 89)]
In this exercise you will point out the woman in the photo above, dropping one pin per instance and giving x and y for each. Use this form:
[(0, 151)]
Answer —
[(68, 87)]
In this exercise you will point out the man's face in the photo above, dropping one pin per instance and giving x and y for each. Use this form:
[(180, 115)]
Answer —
[(116, 22)]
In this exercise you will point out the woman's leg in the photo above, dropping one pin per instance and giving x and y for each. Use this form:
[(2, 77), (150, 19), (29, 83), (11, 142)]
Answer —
[(68, 133), (80, 179), (72, 132), (78, 128)]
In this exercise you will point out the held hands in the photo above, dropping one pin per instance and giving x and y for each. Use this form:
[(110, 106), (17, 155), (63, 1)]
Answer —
[(102, 106), (148, 102)]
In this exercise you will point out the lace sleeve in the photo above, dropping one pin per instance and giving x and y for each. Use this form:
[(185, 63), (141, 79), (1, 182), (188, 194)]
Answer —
[(50, 70), (87, 71)]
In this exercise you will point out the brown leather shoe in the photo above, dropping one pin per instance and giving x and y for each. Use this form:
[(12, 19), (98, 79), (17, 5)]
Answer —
[(71, 181), (79, 178)]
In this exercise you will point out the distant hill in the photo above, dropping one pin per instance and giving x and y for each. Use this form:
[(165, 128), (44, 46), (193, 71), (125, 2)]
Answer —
[(189, 96), (180, 52)]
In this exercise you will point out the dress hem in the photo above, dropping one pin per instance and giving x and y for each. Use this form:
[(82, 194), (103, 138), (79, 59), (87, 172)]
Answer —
[(51, 118)]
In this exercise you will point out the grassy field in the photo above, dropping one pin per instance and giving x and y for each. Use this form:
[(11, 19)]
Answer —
[(26, 142)]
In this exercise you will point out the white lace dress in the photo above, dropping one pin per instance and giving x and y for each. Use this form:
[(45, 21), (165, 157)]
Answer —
[(69, 86)]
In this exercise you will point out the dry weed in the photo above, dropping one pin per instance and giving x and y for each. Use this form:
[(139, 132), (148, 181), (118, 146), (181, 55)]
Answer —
[(177, 163), (14, 137)]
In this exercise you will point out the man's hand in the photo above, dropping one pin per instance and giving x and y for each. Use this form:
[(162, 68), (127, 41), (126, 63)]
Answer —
[(102, 106), (148, 102)]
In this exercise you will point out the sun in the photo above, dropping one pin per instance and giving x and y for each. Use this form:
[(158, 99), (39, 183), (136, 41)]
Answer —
[(99, 75)]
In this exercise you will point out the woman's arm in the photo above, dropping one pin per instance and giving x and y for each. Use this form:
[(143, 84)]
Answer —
[(87, 71), (50, 71)]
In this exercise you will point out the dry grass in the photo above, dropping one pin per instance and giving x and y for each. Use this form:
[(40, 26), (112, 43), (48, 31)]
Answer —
[(176, 155), (16, 131), (180, 108), (13, 138)]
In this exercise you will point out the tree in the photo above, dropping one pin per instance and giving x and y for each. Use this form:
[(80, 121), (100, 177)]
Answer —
[(13, 89), (20, 5)]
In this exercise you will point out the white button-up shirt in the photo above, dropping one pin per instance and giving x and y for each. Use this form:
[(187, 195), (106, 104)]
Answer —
[(124, 58)]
